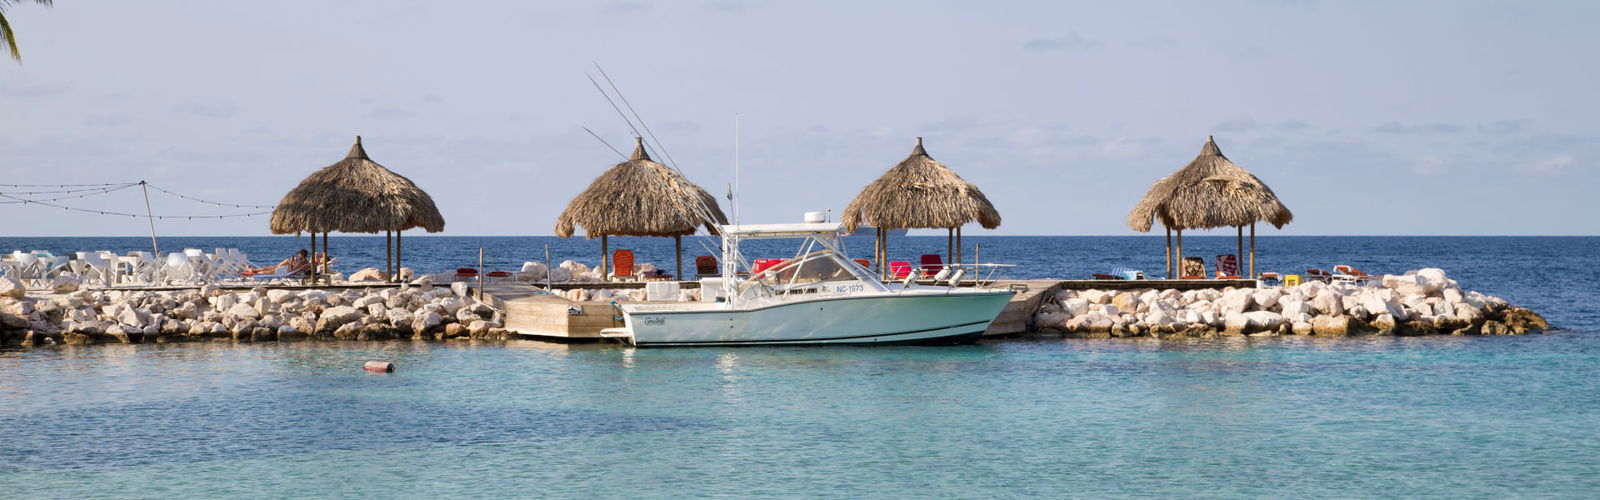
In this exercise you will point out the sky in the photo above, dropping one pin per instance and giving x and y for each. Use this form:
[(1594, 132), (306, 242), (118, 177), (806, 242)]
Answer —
[(1366, 118)]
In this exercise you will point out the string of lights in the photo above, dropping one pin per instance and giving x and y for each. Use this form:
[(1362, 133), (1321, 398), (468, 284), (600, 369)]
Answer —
[(78, 191), (125, 214), (101, 188), (96, 192), (208, 202), (62, 185)]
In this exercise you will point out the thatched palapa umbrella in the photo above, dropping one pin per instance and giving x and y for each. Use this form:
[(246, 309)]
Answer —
[(1207, 193), (640, 197), (920, 193), (357, 195)]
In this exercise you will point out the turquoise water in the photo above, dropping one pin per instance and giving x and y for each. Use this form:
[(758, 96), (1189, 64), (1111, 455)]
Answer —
[(1444, 417), (1438, 416)]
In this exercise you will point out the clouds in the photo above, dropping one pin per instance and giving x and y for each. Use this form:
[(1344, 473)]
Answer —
[(23, 88), (1068, 42), (213, 110), (1058, 110)]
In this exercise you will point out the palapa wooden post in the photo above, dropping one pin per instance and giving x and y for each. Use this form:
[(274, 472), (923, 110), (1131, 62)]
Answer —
[(1169, 251), (958, 244), (312, 258), (677, 243), (1252, 250), (1178, 262), (325, 267), (388, 254), (1241, 248), (950, 245), (605, 250), (398, 262)]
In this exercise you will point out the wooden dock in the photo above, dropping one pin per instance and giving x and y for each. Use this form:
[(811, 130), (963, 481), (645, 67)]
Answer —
[(532, 311)]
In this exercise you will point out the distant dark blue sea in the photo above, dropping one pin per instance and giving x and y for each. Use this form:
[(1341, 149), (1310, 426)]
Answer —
[(1232, 417)]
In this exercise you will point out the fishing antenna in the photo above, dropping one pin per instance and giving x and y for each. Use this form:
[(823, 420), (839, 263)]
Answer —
[(603, 141), (646, 126), (698, 205)]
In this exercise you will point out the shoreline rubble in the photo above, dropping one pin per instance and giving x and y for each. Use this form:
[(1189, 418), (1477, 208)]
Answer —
[(1421, 302), (418, 311)]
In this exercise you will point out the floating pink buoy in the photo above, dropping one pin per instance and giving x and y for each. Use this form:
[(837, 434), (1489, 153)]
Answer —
[(379, 366)]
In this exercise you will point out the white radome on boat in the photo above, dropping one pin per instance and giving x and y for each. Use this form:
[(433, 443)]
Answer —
[(819, 296)]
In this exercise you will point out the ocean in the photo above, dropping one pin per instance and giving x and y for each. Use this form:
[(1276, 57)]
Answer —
[(1447, 417)]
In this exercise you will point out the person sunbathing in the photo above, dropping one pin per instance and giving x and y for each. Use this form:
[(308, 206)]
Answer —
[(295, 263), (322, 261)]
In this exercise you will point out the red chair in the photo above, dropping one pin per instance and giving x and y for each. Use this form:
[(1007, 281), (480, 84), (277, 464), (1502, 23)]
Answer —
[(706, 265), (1228, 267), (765, 264), (899, 269), (864, 263), (466, 272), (931, 265), (1194, 268), (1318, 274), (622, 263), (497, 274)]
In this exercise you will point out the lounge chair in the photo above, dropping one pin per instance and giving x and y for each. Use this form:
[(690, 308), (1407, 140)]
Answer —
[(466, 273), (1347, 274), (705, 266), (899, 269), (621, 264), (1194, 268), (931, 264), (1319, 275), (1228, 267)]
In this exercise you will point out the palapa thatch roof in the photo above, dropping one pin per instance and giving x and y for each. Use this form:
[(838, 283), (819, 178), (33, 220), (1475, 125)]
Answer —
[(1209, 192), (920, 193), (639, 197), (356, 195)]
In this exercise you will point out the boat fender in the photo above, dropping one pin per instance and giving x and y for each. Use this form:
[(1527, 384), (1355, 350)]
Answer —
[(379, 366)]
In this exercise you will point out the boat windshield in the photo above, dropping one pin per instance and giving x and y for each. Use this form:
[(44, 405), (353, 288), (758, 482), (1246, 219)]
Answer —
[(821, 265)]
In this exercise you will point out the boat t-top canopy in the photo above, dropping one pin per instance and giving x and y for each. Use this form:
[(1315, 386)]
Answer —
[(795, 230)]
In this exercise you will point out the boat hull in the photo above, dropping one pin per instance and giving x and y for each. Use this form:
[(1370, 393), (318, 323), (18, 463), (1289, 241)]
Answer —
[(891, 318)]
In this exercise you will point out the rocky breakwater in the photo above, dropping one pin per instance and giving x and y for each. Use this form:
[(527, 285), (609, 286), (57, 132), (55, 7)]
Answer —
[(419, 311), (1422, 302)]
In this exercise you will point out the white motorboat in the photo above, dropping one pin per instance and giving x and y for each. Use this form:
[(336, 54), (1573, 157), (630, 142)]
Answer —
[(818, 297)]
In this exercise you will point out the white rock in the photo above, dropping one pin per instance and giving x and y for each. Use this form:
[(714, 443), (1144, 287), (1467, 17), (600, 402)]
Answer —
[(224, 302), (1405, 284), (1452, 295), (1328, 304), (1236, 322), (371, 274), (64, 284), (1302, 328), (559, 275), (459, 288), (1075, 307), (243, 311), (10, 287), (1433, 279), (449, 306), (1376, 305), (532, 271), (1235, 301), (424, 283), (366, 300), (1266, 298), (1264, 319), (340, 315)]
